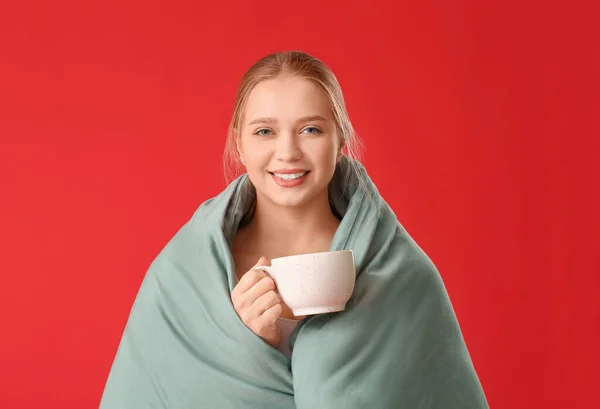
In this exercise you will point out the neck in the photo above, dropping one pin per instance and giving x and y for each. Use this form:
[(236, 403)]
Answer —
[(288, 230)]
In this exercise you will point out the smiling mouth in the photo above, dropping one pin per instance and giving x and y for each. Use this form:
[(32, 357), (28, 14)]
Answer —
[(289, 176)]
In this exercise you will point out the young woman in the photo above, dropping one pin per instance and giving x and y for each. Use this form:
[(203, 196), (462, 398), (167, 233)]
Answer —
[(209, 331)]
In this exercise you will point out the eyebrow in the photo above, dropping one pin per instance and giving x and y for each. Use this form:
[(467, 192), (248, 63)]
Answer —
[(274, 121)]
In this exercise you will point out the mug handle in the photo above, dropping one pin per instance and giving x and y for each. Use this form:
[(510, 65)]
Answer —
[(266, 269)]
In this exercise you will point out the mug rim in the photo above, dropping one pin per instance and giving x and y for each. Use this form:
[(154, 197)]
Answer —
[(314, 254)]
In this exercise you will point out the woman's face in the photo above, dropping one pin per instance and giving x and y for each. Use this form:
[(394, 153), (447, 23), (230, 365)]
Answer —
[(289, 141)]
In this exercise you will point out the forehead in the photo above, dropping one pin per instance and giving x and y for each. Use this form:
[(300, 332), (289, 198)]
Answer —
[(287, 98)]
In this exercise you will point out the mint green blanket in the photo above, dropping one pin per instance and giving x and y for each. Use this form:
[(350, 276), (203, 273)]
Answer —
[(397, 345)]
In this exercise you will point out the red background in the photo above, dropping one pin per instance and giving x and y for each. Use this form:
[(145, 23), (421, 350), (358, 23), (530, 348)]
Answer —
[(481, 128)]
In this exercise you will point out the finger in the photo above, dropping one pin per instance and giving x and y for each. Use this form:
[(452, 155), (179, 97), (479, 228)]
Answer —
[(264, 302), (270, 316), (248, 280), (251, 277), (265, 285), (263, 261)]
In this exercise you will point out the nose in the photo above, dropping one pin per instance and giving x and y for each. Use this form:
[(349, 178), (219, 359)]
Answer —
[(288, 149)]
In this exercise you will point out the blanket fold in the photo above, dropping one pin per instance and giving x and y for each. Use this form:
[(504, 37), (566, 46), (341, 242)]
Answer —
[(397, 345)]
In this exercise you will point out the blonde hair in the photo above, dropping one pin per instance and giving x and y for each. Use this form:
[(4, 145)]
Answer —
[(292, 63)]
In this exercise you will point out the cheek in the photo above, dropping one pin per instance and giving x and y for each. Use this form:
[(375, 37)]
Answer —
[(326, 155), (255, 153)]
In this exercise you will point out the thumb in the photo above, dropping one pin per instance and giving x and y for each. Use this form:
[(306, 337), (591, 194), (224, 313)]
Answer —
[(263, 261)]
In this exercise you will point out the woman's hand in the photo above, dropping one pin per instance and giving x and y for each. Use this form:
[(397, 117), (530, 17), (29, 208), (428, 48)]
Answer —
[(258, 305)]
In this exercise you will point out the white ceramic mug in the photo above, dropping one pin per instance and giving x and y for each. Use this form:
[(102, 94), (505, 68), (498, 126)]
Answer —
[(314, 283)]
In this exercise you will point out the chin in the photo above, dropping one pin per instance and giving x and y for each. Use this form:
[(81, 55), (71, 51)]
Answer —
[(290, 199)]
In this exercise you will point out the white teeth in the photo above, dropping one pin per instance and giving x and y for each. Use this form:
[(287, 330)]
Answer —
[(289, 176)]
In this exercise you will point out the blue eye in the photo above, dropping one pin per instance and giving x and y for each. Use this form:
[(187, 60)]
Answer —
[(262, 132), (312, 130)]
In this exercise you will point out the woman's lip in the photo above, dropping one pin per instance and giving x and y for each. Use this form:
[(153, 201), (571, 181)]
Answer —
[(288, 171), (290, 182)]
